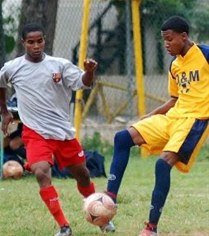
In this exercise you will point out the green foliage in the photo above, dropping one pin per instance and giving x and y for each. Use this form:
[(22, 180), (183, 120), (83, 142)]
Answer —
[(95, 143), (9, 43), (156, 12), (200, 21), (10, 16)]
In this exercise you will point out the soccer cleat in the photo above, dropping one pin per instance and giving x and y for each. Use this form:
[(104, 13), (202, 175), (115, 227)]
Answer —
[(146, 232), (65, 231), (108, 228), (149, 230)]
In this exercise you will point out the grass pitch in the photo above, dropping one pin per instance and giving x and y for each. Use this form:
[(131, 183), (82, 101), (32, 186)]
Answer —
[(186, 212)]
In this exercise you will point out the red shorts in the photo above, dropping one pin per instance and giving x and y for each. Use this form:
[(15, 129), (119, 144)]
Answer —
[(66, 153)]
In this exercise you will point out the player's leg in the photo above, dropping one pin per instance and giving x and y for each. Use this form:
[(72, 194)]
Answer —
[(81, 174), (48, 193), (187, 136), (145, 132), (39, 157), (69, 154), (161, 189), (123, 142), (86, 187)]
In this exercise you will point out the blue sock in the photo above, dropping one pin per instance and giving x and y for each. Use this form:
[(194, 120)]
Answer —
[(122, 145), (161, 189)]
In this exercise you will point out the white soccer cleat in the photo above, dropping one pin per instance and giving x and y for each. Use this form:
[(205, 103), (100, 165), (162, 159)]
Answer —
[(65, 231)]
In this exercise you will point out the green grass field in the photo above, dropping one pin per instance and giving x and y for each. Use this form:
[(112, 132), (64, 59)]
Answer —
[(186, 212)]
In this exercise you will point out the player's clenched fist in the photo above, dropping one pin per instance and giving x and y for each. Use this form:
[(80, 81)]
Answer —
[(90, 65)]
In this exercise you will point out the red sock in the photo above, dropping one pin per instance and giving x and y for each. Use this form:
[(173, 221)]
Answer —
[(50, 197), (87, 190)]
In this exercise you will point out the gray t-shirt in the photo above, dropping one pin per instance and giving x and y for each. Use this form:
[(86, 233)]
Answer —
[(43, 104)]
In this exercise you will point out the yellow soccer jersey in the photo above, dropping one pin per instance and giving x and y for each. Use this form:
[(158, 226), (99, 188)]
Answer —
[(189, 81)]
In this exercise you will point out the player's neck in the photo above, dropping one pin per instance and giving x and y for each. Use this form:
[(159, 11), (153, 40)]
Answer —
[(36, 59), (186, 48)]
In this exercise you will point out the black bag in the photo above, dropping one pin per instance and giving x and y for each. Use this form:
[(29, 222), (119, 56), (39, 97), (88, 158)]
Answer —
[(95, 164)]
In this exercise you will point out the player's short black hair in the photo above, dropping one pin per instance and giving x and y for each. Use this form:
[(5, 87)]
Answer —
[(31, 27), (177, 24)]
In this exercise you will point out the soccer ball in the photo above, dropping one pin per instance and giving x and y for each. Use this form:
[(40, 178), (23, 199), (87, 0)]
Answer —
[(12, 169), (99, 209)]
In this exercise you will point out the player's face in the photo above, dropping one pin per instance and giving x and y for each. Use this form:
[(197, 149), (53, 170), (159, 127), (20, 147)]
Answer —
[(174, 42), (34, 44)]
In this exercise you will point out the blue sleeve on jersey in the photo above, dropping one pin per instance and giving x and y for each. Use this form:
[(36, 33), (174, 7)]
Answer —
[(170, 69), (205, 50)]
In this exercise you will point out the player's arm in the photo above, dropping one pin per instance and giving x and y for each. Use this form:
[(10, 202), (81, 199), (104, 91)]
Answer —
[(163, 109), (89, 67), (6, 115), (3, 105)]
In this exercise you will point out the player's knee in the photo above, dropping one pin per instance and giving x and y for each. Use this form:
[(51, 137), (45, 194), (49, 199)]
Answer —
[(15, 143), (123, 139), (161, 164), (83, 176), (42, 177), (170, 158), (39, 173)]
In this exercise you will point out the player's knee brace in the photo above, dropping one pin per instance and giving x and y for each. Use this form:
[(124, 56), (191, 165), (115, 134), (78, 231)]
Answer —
[(123, 139)]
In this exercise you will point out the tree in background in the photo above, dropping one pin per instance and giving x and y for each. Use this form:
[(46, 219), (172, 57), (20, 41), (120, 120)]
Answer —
[(154, 13), (43, 12), (199, 18), (2, 38), (9, 14)]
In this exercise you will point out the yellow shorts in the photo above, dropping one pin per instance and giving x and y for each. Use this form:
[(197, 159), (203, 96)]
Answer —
[(184, 136)]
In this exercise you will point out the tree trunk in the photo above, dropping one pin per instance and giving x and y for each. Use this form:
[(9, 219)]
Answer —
[(43, 12), (2, 39)]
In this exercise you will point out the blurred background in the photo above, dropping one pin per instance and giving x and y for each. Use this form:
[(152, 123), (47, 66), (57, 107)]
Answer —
[(112, 104)]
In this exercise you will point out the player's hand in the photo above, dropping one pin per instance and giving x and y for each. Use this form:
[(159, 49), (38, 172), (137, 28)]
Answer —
[(90, 65), (6, 119)]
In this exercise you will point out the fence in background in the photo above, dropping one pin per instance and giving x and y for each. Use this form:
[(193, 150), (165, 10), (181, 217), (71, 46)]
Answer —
[(112, 104)]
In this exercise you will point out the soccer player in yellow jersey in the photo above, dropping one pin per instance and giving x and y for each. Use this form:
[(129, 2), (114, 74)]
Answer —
[(178, 128)]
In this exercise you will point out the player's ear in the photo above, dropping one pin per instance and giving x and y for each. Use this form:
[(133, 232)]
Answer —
[(184, 35), (22, 41)]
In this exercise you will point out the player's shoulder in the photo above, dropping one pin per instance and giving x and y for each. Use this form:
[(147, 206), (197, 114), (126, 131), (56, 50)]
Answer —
[(58, 60), (205, 50), (14, 62)]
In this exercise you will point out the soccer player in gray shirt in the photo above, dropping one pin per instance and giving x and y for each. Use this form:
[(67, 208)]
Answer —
[(43, 86)]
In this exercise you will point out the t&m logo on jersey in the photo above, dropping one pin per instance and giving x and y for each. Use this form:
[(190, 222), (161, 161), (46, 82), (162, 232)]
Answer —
[(56, 77), (184, 80)]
